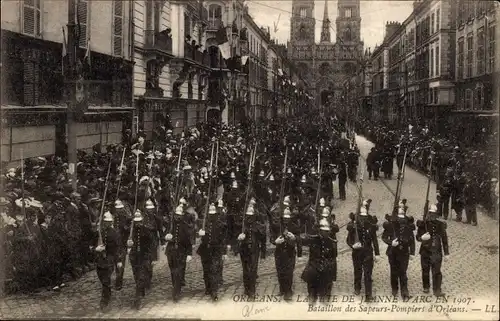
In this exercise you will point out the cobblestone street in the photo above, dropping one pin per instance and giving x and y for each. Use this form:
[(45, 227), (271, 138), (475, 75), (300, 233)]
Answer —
[(471, 272)]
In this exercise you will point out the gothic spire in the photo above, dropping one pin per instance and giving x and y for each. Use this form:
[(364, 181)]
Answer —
[(325, 31)]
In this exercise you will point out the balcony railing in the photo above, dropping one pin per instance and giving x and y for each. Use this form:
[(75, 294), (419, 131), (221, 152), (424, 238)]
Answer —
[(191, 52), (214, 24), (158, 40), (188, 51), (201, 58)]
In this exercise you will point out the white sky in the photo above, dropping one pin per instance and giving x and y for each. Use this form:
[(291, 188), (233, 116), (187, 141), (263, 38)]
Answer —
[(374, 15)]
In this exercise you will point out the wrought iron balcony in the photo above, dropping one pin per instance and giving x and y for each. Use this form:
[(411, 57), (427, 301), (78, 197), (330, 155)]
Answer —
[(188, 51), (203, 15), (202, 58), (161, 41), (214, 24), (193, 6), (191, 52)]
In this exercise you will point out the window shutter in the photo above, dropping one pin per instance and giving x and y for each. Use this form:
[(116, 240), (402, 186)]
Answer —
[(118, 28), (31, 83), (82, 11), (31, 17), (29, 20)]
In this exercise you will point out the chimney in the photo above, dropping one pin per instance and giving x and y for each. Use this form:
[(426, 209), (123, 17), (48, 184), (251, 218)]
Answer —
[(391, 28)]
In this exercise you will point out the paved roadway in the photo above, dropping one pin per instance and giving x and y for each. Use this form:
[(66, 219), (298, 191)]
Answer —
[(471, 272)]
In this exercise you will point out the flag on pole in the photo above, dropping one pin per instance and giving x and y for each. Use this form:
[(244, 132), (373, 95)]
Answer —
[(223, 42), (86, 58), (64, 51)]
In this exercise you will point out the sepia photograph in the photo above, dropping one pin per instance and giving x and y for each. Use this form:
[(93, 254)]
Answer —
[(249, 159)]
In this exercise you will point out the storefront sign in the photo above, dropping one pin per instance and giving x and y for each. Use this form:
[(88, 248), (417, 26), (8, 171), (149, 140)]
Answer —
[(157, 105)]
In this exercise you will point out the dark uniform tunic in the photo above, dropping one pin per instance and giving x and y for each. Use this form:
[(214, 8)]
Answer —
[(178, 249), (122, 223), (321, 268), (431, 252), (285, 256), (362, 258), (213, 246), (400, 229), (249, 252), (107, 260), (140, 258)]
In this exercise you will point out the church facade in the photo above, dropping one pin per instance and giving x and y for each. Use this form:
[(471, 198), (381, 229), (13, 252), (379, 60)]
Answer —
[(326, 65)]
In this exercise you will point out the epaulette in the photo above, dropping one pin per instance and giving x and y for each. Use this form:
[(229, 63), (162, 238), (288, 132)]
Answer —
[(386, 225), (411, 220), (388, 217), (374, 219)]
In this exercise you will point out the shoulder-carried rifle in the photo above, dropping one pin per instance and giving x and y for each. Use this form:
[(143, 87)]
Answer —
[(360, 204), (282, 187), (210, 173), (426, 205), (253, 155)]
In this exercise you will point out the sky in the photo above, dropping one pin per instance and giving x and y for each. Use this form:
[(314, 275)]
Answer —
[(374, 15)]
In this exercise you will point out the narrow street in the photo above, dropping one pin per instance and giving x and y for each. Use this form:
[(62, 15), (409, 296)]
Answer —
[(471, 272)]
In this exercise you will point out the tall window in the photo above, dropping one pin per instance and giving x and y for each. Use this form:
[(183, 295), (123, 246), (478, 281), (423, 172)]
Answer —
[(491, 49), (437, 72), (432, 23), (460, 70), (347, 13), (118, 27), (214, 12), (32, 21), (478, 98), (187, 25), (303, 12), (480, 56), (468, 99), (432, 63), (438, 13), (82, 16), (470, 44)]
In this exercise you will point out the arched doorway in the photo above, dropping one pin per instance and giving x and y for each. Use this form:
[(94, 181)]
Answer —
[(213, 116)]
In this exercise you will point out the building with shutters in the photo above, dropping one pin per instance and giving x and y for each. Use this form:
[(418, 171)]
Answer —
[(172, 64), (34, 100), (477, 68), (413, 68)]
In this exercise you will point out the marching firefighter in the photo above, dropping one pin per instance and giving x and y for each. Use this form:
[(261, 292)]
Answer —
[(179, 248), (362, 239), (123, 219), (398, 235), (285, 253), (140, 245), (334, 229), (320, 270), (109, 254), (431, 232), (213, 250), (249, 250)]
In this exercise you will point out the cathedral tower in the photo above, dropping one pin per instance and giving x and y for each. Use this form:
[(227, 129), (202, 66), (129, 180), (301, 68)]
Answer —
[(325, 30), (348, 22), (303, 22)]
